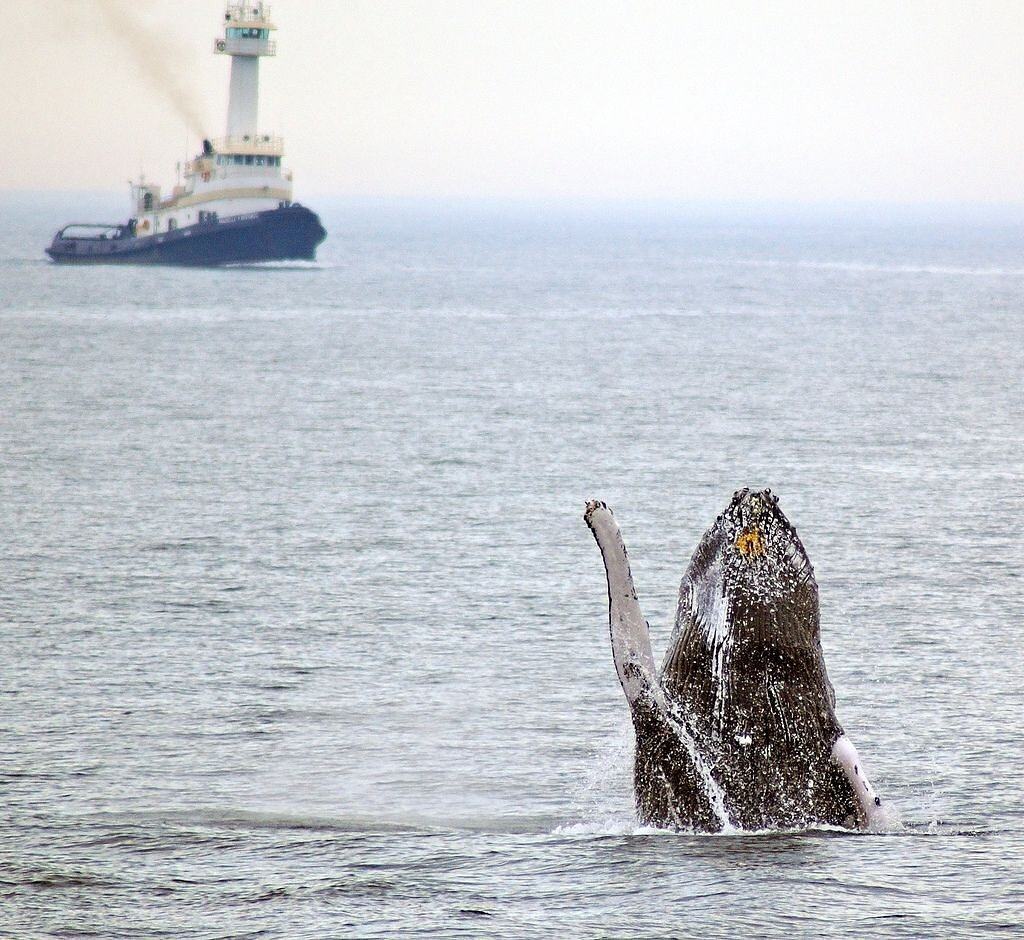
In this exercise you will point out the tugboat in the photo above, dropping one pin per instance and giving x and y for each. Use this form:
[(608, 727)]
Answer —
[(235, 206)]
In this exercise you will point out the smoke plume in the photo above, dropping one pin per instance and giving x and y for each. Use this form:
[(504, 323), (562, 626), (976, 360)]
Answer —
[(158, 63)]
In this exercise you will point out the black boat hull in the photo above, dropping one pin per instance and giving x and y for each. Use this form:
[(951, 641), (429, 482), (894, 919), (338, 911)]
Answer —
[(288, 233)]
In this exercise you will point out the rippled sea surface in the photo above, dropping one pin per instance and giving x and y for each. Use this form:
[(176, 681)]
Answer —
[(304, 636)]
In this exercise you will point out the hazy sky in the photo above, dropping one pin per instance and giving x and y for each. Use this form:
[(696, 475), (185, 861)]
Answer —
[(810, 102)]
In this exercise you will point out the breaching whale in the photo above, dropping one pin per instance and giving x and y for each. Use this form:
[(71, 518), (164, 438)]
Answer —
[(738, 727)]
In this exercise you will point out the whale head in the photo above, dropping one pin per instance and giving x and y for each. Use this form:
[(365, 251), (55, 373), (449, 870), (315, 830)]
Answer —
[(750, 576), (759, 547)]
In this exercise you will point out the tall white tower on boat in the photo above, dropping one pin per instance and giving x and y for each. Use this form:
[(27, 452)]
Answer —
[(247, 29)]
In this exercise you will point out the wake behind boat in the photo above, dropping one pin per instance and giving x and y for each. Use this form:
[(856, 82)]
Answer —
[(235, 205)]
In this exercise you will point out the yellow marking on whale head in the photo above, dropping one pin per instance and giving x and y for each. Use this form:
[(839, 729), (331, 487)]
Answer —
[(749, 542)]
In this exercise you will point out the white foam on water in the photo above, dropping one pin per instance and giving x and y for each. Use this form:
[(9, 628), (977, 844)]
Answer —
[(857, 267), (296, 265), (604, 800)]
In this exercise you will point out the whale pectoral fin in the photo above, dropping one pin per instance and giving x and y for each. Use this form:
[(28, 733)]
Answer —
[(636, 677), (870, 812), (630, 636)]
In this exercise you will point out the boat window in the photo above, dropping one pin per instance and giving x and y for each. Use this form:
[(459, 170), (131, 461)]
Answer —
[(248, 160), (247, 32), (239, 159), (259, 161)]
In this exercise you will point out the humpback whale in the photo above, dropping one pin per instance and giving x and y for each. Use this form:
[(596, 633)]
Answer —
[(738, 728)]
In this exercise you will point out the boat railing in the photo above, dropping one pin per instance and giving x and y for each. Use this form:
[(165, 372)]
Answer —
[(239, 11), (99, 230), (264, 144)]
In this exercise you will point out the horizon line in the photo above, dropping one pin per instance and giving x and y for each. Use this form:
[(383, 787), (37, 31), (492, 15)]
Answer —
[(588, 199)]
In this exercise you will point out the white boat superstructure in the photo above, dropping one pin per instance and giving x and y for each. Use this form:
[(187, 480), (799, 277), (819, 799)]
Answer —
[(240, 173)]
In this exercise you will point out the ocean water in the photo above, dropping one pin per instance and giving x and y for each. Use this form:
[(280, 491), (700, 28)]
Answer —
[(304, 635)]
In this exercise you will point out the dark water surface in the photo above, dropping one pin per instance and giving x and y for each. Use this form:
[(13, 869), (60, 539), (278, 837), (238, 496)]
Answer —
[(303, 633)]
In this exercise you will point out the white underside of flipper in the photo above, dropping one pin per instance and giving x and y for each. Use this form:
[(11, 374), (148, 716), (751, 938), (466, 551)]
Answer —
[(631, 640), (874, 816)]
